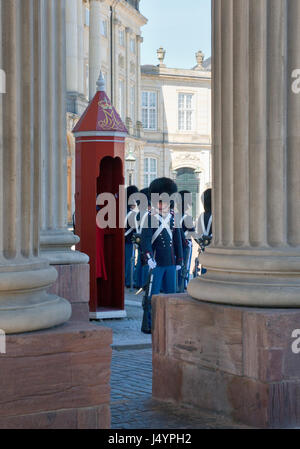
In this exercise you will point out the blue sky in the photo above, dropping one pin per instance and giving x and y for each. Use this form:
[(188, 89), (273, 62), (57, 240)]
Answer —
[(182, 27)]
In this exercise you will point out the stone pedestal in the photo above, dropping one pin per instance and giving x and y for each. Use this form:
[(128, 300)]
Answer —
[(73, 283), (233, 360), (57, 378)]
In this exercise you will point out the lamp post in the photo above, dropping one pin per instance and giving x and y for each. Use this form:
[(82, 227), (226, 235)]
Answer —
[(130, 160)]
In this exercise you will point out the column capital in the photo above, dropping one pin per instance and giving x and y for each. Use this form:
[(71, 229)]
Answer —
[(128, 30), (139, 38)]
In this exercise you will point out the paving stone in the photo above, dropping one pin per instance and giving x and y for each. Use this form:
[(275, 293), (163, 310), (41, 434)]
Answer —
[(132, 406)]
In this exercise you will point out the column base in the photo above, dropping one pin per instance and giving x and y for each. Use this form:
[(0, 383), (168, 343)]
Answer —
[(57, 378), (25, 305), (56, 247), (236, 361), (249, 277), (48, 312)]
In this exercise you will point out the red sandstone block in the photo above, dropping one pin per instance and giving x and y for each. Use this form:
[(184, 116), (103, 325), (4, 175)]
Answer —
[(87, 418), (63, 368), (284, 404), (249, 399), (250, 345), (205, 388), (72, 282), (267, 344), (70, 337), (80, 312), (159, 323), (82, 418), (60, 419), (270, 364), (203, 335), (167, 379), (91, 367), (103, 417)]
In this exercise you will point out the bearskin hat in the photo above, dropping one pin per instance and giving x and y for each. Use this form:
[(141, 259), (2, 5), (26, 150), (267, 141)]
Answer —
[(186, 199), (146, 192), (206, 198), (130, 191), (163, 185)]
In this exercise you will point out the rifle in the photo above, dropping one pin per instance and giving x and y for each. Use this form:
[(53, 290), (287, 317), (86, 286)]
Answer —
[(146, 321), (132, 263), (136, 240), (184, 270), (203, 242)]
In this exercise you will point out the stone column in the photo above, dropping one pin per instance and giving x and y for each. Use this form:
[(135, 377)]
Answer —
[(72, 45), (94, 45), (25, 304), (255, 256), (80, 39), (139, 41), (55, 238)]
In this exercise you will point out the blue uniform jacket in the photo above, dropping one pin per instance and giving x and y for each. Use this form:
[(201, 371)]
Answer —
[(129, 228), (167, 251)]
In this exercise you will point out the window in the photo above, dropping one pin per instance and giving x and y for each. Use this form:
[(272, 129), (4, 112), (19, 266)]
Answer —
[(132, 45), (185, 112), (149, 110), (121, 99), (150, 170), (103, 28), (87, 17), (132, 103), (122, 38)]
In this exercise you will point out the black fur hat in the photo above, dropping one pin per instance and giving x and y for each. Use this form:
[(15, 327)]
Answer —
[(131, 190), (207, 200), (163, 185), (145, 191)]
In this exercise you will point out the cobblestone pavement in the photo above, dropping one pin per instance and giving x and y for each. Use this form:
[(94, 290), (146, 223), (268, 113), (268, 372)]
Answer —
[(132, 406)]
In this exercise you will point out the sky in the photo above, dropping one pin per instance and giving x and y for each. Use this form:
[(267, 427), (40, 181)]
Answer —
[(181, 27)]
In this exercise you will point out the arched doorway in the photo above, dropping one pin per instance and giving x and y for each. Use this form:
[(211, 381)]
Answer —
[(187, 179)]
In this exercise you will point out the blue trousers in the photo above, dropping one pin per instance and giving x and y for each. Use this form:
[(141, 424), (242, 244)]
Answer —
[(164, 279), (128, 256)]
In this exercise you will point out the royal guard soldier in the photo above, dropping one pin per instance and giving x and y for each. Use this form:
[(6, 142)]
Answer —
[(205, 219), (204, 229), (142, 266), (187, 229), (131, 227), (161, 240)]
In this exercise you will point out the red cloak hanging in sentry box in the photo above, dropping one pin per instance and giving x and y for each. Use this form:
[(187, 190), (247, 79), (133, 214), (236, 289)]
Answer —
[(100, 157)]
